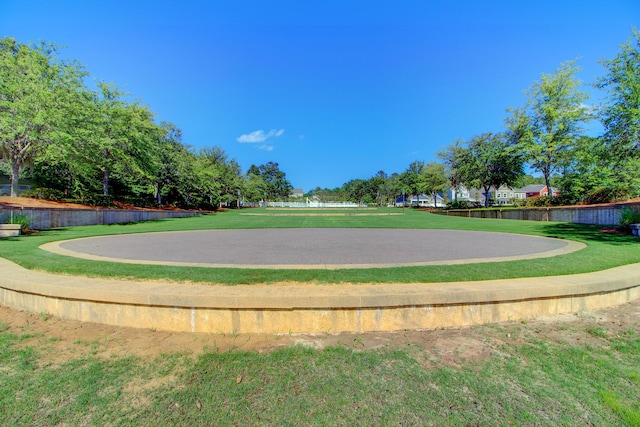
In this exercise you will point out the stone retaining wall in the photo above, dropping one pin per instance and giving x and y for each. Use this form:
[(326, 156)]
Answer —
[(283, 309), (609, 215), (42, 218)]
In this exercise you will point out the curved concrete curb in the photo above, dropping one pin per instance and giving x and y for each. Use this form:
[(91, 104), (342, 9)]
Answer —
[(309, 308)]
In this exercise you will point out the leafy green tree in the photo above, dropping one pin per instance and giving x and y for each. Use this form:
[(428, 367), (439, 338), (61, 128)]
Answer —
[(435, 180), (456, 161), (551, 121), (167, 166), (492, 161), (37, 90), (118, 139), (383, 186), (590, 177), (254, 188), (361, 191), (412, 179), (275, 180), (211, 184), (621, 114)]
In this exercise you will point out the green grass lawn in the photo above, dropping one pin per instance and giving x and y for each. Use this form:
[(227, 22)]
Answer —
[(526, 379), (604, 250)]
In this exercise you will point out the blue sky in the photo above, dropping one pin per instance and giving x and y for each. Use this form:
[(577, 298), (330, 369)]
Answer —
[(330, 90)]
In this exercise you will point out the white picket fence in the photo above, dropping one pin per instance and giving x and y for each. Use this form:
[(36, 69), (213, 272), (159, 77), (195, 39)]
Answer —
[(313, 205)]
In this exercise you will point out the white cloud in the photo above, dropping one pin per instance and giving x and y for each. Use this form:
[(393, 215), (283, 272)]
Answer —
[(259, 136), (265, 147)]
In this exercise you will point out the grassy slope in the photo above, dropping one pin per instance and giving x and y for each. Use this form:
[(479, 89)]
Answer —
[(528, 380), (603, 251)]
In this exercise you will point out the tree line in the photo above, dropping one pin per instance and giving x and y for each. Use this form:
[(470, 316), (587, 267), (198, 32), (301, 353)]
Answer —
[(547, 134), (97, 146)]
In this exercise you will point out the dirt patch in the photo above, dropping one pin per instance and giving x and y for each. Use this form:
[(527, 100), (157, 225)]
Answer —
[(62, 340), (28, 202)]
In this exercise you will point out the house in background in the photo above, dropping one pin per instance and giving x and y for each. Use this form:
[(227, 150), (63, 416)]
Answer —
[(462, 194), (422, 201), (502, 196), (297, 193), (506, 195), (534, 190)]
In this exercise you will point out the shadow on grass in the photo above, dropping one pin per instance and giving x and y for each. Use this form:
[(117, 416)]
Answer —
[(589, 233)]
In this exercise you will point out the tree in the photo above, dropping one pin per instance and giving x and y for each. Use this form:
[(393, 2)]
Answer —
[(275, 180), (361, 191), (456, 160), (116, 139), (492, 162), (621, 114), (412, 179), (589, 177), (167, 163), (435, 180), (254, 188), (383, 186), (36, 92), (551, 121), (212, 180)]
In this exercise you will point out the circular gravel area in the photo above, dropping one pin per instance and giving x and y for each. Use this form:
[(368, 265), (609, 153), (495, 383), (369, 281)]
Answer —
[(313, 248)]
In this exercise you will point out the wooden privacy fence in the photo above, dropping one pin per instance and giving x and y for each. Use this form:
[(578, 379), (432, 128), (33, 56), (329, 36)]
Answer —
[(41, 218), (600, 215)]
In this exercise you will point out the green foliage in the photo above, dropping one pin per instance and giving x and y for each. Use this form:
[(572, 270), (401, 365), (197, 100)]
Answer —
[(539, 201), (492, 162), (36, 92), (17, 218), (546, 128), (605, 195), (462, 204), (44, 193), (621, 114), (434, 180), (98, 200), (276, 184), (629, 215)]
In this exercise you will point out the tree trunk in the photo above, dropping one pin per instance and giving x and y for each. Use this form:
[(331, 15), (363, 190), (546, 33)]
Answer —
[(486, 196), (15, 176), (105, 182), (159, 194), (547, 181)]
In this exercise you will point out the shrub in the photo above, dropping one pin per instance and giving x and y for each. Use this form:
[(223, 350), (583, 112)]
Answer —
[(629, 216), (17, 218), (97, 200), (44, 193), (462, 204), (605, 195), (139, 201), (539, 201)]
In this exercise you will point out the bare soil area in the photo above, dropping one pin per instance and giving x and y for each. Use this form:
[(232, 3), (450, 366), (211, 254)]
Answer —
[(63, 339), (28, 202)]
